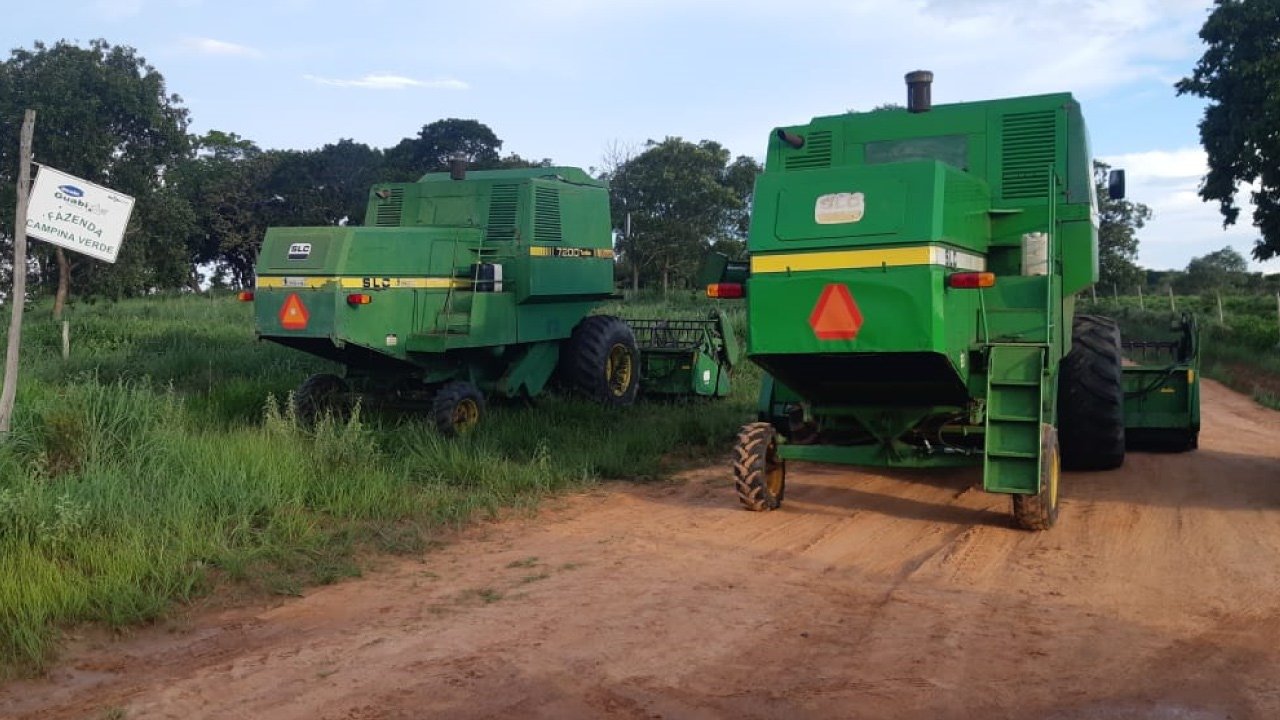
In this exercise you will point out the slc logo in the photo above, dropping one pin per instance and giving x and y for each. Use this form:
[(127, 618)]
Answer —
[(71, 190)]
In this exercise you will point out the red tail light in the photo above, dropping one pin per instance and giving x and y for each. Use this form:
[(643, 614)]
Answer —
[(971, 280), (359, 299), (245, 296), (725, 291)]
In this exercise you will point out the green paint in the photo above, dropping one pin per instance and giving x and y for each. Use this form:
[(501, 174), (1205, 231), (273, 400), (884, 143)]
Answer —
[(934, 376)]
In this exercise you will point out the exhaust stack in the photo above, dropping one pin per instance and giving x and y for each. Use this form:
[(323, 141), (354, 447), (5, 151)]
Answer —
[(919, 91), (457, 168)]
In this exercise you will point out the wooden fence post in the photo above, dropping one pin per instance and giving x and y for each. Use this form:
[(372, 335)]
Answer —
[(18, 299)]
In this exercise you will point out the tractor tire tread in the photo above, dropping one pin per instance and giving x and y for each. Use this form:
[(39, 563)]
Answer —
[(588, 351), (1091, 397), (750, 459)]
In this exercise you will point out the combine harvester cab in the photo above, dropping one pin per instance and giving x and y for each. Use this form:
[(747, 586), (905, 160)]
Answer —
[(459, 287), (911, 297)]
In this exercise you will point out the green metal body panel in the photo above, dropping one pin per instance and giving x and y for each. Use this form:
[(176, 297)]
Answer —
[(1162, 387), (427, 260), (881, 208)]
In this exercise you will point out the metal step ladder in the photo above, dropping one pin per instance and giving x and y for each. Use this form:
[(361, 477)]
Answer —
[(1015, 402)]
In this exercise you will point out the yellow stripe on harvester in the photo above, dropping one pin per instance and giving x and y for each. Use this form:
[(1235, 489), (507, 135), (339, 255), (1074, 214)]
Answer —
[(286, 282), (570, 252), (878, 257)]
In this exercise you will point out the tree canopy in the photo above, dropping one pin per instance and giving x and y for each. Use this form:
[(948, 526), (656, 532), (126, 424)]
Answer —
[(1239, 75), (1118, 225), (103, 114), (676, 200)]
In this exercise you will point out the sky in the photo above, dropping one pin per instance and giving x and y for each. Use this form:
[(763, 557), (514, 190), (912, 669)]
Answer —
[(572, 80)]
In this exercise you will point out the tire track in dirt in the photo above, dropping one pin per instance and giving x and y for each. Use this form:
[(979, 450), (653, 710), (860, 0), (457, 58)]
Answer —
[(885, 595)]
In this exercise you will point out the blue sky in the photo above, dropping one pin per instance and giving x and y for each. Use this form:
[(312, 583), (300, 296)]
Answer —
[(571, 79)]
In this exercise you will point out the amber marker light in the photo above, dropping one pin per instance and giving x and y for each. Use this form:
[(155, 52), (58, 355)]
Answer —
[(971, 280)]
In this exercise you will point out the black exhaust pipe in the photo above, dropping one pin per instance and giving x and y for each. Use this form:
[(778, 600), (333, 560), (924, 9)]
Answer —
[(457, 168), (919, 91), (792, 139)]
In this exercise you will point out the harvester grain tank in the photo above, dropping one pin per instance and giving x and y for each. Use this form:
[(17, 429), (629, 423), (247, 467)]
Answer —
[(911, 296), (458, 288)]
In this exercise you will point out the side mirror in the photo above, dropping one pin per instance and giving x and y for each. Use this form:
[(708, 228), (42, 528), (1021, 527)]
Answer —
[(1115, 185)]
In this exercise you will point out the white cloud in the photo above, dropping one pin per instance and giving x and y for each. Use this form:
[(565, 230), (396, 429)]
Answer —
[(209, 46), (1182, 224), (382, 81)]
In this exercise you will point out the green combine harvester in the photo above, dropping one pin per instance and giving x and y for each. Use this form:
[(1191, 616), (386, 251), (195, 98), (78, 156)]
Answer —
[(466, 286), (911, 296)]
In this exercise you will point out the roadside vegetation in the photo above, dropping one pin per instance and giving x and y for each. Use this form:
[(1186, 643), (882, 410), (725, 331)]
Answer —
[(1242, 349), (161, 462)]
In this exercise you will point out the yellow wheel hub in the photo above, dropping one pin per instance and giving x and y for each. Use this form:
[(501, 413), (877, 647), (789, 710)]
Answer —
[(618, 369), (466, 414), (1054, 468), (774, 470)]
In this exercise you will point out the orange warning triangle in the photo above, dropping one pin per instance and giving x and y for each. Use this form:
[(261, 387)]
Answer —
[(836, 316), (294, 315)]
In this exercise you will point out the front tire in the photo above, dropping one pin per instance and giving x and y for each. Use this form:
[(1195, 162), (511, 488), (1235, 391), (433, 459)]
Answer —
[(602, 360), (1040, 511), (1091, 397), (759, 475)]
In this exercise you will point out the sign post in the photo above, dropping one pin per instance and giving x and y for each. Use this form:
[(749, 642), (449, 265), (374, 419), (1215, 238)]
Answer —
[(18, 299), (68, 212)]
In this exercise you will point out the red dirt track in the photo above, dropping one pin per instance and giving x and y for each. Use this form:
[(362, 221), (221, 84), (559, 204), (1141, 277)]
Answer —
[(867, 595)]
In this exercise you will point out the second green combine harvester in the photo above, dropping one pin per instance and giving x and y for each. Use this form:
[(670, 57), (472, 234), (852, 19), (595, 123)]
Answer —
[(467, 286), (911, 296)]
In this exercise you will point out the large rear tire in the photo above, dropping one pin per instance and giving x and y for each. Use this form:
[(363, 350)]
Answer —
[(1040, 511), (319, 395), (602, 361), (1091, 397), (759, 475)]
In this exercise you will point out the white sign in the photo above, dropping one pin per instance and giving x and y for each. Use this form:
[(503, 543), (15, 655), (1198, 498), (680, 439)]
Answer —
[(78, 215), (839, 208)]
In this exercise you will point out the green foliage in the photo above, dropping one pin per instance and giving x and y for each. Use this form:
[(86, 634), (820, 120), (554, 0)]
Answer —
[(103, 114), (1239, 74), (1218, 270), (161, 461), (682, 199), (1242, 351), (1118, 223)]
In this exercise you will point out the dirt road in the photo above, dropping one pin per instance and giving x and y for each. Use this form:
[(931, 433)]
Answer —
[(868, 595)]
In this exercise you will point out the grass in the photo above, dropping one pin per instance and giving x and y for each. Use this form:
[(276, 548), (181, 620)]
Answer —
[(160, 463)]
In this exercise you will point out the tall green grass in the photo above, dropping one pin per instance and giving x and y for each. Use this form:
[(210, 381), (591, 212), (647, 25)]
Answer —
[(161, 461)]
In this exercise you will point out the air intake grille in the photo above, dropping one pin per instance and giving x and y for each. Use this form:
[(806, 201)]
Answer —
[(546, 214), (502, 213), (1028, 154), (389, 209), (816, 153)]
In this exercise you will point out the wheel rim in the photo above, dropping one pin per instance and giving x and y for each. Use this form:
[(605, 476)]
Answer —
[(774, 470), (618, 370), (466, 414), (1054, 467)]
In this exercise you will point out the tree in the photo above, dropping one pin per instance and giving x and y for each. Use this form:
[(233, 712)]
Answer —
[(104, 115), (1118, 223), (1219, 269), (1239, 74), (437, 143), (228, 185), (682, 199)]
